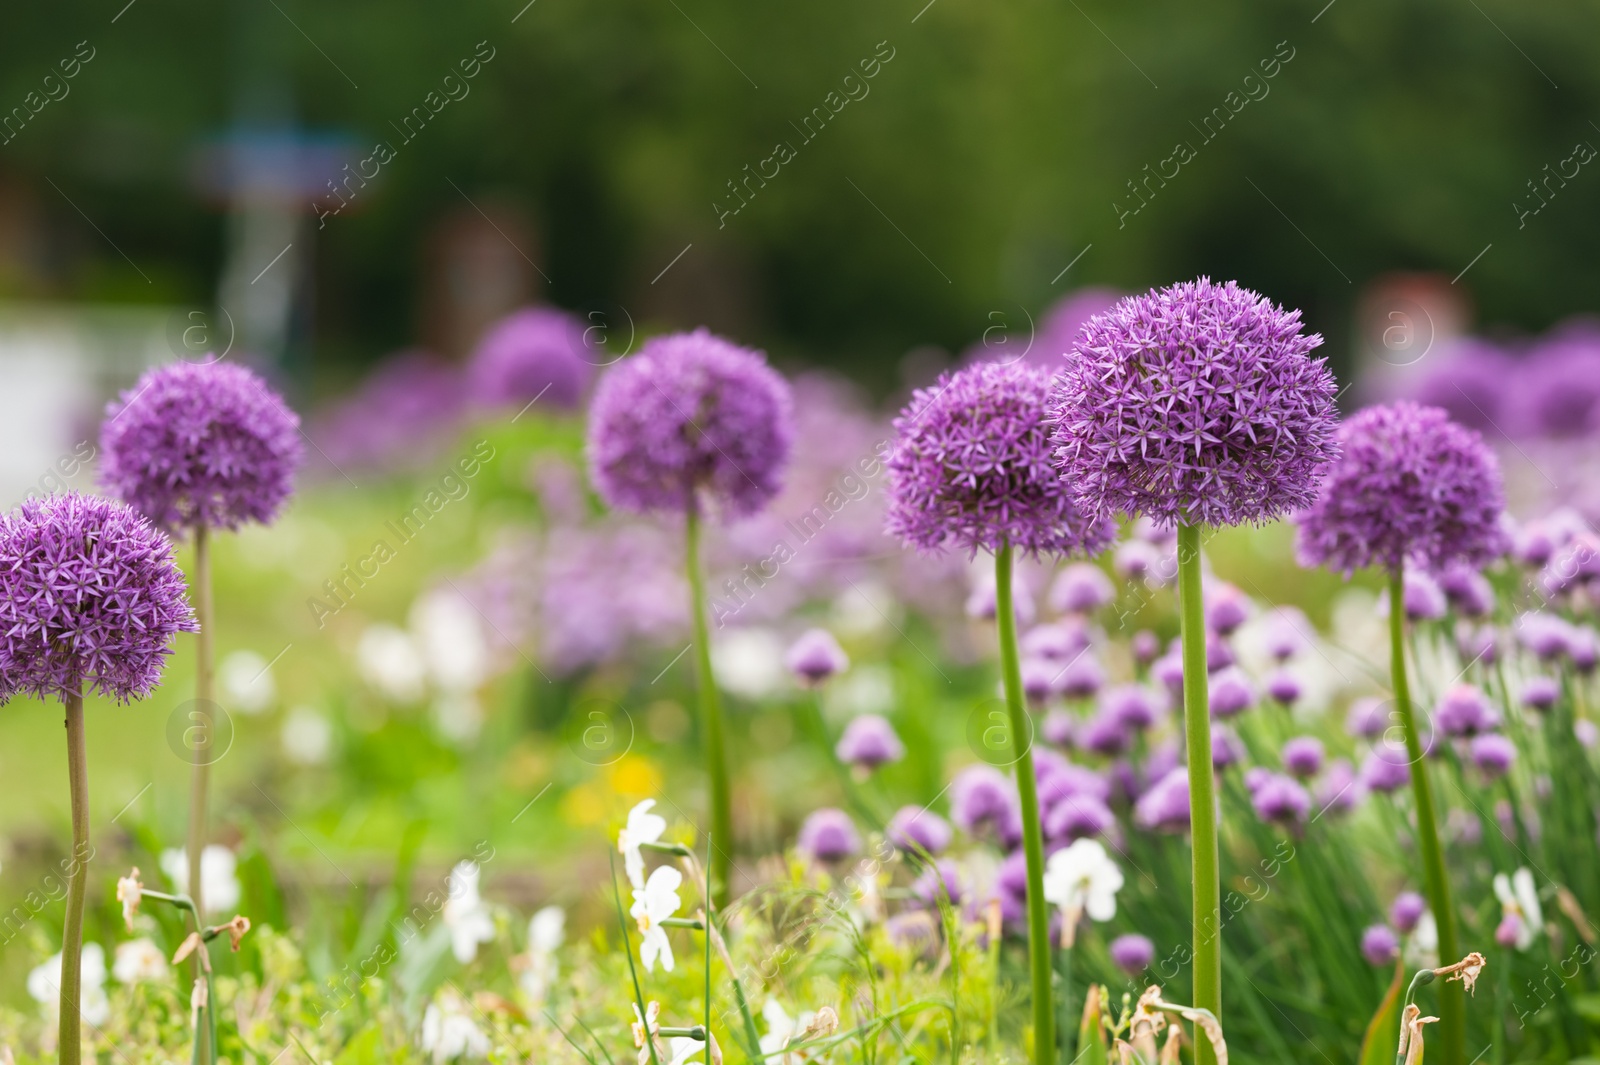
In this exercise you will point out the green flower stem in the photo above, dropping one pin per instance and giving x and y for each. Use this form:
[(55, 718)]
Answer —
[(1202, 789), (1065, 1021), (711, 719), (200, 777), (1039, 954), (1452, 1006), (69, 1019)]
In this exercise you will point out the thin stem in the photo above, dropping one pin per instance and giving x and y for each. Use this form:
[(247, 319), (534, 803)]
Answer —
[(1064, 967), (205, 718), (70, 1022), (1452, 1006), (1039, 954), (1202, 789), (711, 718)]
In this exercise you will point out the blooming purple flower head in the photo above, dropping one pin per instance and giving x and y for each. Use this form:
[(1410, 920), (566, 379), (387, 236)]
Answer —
[(979, 796), (407, 408), (1226, 607), (1411, 485), (1077, 817), (828, 835), (1547, 635), (1339, 791), (1385, 770), (1104, 734), (690, 415), (1367, 718), (1166, 804), (1468, 590), (1081, 677), (1038, 680), (1219, 652), (916, 828), (1132, 953), (1281, 799), (1286, 632), (1424, 600), (1082, 588), (1226, 750), (1133, 705), (1540, 693), (89, 594), (1493, 754), (815, 657), (1379, 945), (1060, 325), (200, 444), (1060, 779), (1303, 755), (971, 468), (942, 880), (1406, 910), (1560, 396), (1463, 710), (1195, 403), (1231, 693), (1284, 687), (1477, 643), (1145, 646), (1057, 642), (1059, 728), (869, 741), (1469, 381), (537, 353), (1168, 669)]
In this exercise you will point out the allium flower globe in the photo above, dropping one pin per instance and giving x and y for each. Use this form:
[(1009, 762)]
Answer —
[(201, 444), (691, 415), (1410, 487), (535, 353), (1197, 404), (89, 594), (971, 469)]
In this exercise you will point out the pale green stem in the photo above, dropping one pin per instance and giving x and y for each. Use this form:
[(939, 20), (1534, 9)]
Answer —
[(70, 1016), (711, 719), (200, 775), (1039, 953), (1202, 789)]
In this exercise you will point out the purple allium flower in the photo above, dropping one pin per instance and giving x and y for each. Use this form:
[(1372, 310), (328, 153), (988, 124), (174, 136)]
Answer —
[(1104, 734), (1424, 599), (1303, 756), (1540, 693), (1281, 799), (1145, 646), (1011, 885), (535, 353), (1060, 325), (1256, 776), (1076, 817), (979, 796), (1038, 680), (200, 444), (1406, 910), (1062, 780), (690, 414), (1379, 945), (1546, 635), (1226, 750), (1166, 804), (815, 657), (1583, 649), (1533, 544), (1463, 710), (1284, 687), (1132, 953), (1469, 382), (1081, 588), (1219, 652), (89, 594), (1339, 791), (1368, 717), (869, 741), (406, 409), (1133, 705), (1226, 607), (915, 828), (1081, 677), (971, 468), (1286, 633), (942, 880), (1384, 770), (1468, 590), (1168, 669), (1140, 560), (1196, 403), (1560, 393), (1477, 643), (1058, 642), (1059, 728), (1231, 693), (1493, 754), (1586, 732), (1410, 485), (828, 835)]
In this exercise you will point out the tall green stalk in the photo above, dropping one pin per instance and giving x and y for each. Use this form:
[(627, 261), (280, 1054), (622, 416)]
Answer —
[(710, 717), (200, 773), (1039, 953), (1202, 789), (1452, 1006), (69, 1023)]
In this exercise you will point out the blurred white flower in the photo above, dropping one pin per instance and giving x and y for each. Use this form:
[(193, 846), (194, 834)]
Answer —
[(44, 985), (642, 827), (390, 661), (652, 904), (1519, 898), (448, 1031), (866, 609), (546, 929), (1422, 948), (749, 663), (867, 689), (676, 1051), (139, 961), (458, 716), (450, 633), (307, 736), (219, 879), (246, 682), (465, 913), (1082, 878), (783, 1030)]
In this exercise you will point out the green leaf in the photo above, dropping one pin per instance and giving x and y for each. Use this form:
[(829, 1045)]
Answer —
[(1383, 1031), (365, 1049)]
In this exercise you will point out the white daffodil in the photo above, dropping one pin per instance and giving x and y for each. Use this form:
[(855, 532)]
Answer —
[(219, 879), (652, 904), (465, 913), (546, 929), (44, 985), (1422, 949), (1519, 898), (1082, 878), (642, 827), (129, 893), (139, 961), (674, 1051), (783, 1030), (449, 1033)]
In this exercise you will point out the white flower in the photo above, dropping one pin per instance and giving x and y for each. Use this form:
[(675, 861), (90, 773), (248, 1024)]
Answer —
[(783, 1030), (450, 634), (307, 736), (391, 662), (465, 913), (44, 985), (1520, 898), (458, 716), (1083, 879), (129, 892), (642, 827), (219, 881), (448, 1031), (749, 663), (139, 961), (246, 681), (679, 1049), (546, 929), (1422, 949), (652, 904)]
